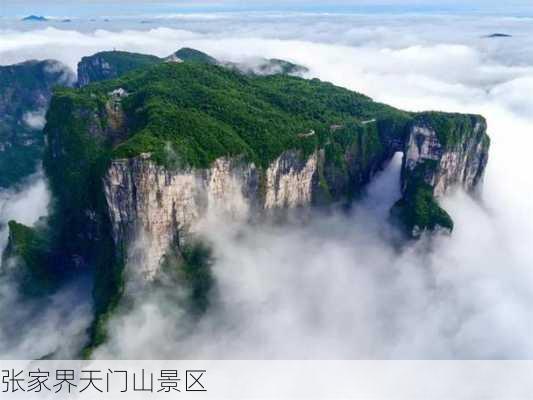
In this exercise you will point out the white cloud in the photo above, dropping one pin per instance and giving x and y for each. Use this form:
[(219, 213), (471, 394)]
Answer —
[(25, 204), (35, 119), (52, 326)]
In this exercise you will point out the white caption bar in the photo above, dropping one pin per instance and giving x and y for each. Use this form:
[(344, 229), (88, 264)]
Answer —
[(237, 380)]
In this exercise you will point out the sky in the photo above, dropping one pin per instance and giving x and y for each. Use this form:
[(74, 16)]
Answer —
[(86, 8)]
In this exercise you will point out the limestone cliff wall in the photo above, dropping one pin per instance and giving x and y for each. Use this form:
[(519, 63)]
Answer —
[(461, 164), (94, 66), (160, 206)]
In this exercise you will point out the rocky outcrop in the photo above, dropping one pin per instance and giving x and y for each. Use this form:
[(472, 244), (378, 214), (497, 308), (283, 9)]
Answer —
[(151, 203), (291, 181), (111, 65), (161, 207), (442, 152), (94, 69), (461, 164)]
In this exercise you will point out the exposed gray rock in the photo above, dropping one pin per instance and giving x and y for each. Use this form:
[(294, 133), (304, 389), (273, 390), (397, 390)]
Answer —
[(162, 206), (460, 165)]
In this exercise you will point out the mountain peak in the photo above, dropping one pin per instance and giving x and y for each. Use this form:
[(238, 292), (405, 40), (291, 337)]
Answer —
[(498, 35), (188, 54), (36, 18)]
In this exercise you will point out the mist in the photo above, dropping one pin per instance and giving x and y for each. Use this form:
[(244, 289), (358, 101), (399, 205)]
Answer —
[(336, 287), (54, 325)]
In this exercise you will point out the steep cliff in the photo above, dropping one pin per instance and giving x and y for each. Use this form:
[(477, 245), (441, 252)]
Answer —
[(111, 64), (442, 152), (25, 92)]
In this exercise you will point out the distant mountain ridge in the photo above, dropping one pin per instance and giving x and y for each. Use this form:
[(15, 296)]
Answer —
[(26, 89), (113, 64), (498, 35), (35, 18)]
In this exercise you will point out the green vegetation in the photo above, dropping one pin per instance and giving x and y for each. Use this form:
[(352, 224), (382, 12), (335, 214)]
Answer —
[(24, 87), (276, 66), (451, 128), (188, 54), (119, 63), (418, 211), (187, 115), (191, 269), (286, 66), (29, 249), (197, 262), (75, 161), (19, 161), (204, 112)]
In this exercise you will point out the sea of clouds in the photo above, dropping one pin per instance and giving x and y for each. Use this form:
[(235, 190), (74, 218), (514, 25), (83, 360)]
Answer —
[(337, 288)]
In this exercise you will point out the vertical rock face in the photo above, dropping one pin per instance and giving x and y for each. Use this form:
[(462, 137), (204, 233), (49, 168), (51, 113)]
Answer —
[(290, 181), (442, 152), (161, 207), (94, 69), (150, 203), (462, 164), (110, 65)]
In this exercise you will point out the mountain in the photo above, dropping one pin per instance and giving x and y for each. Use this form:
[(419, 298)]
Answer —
[(275, 66), (25, 92), (113, 64), (498, 35), (35, 18), (154, 151), (265, 66), (176, 130), (26, 89), (188, 54)]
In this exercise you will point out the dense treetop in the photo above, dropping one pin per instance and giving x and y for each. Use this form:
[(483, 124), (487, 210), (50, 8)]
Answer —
[(201, 112)]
